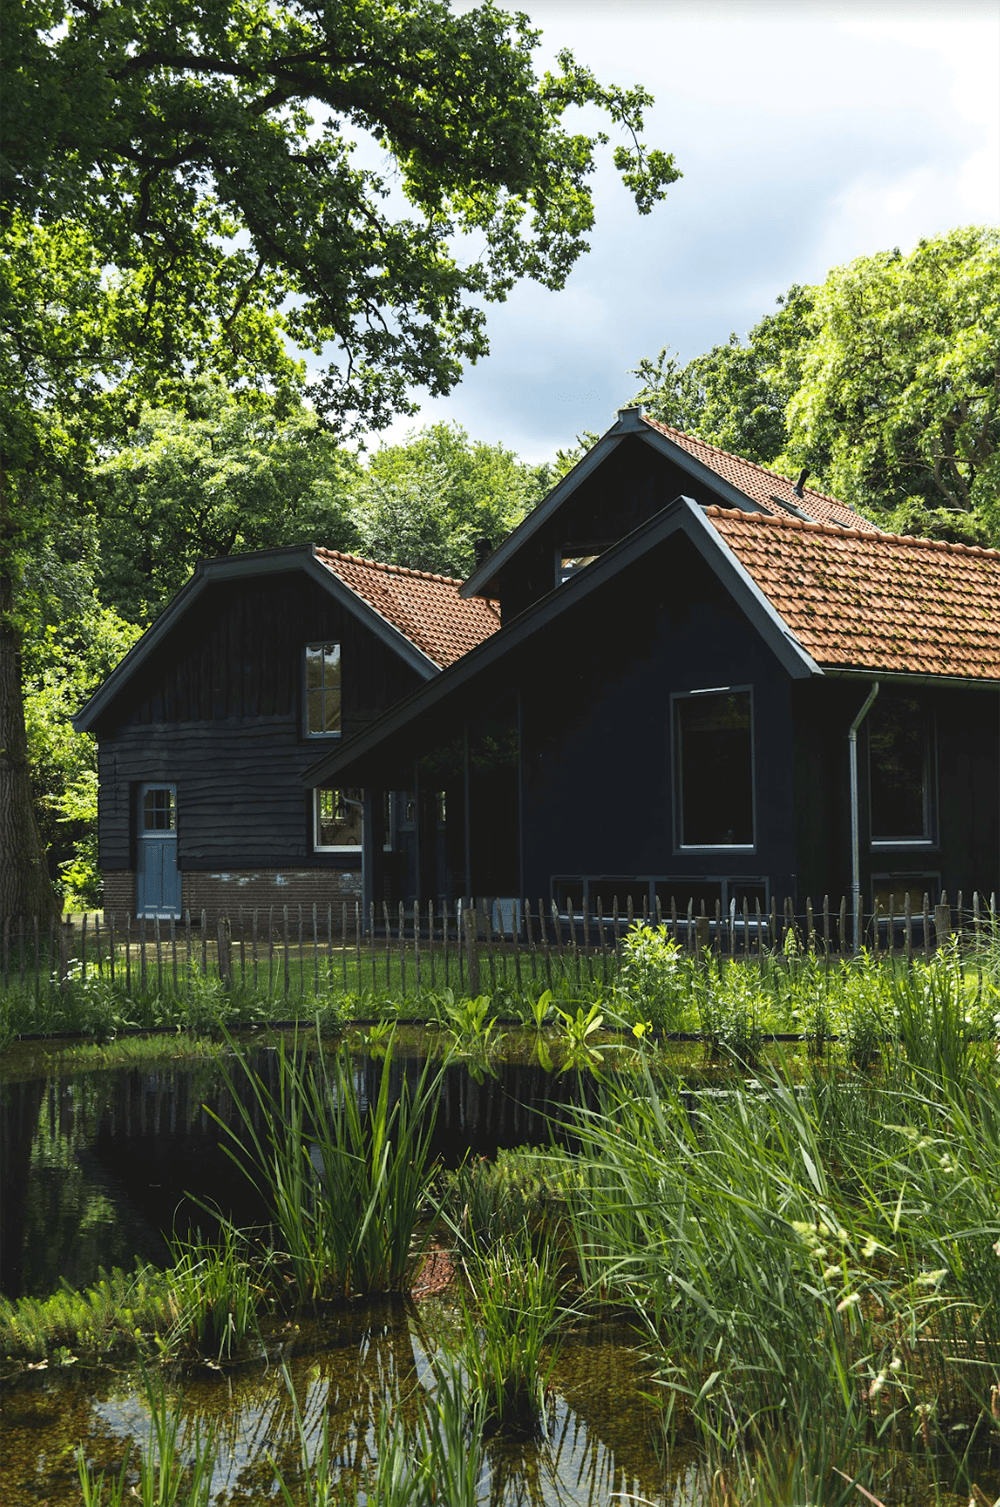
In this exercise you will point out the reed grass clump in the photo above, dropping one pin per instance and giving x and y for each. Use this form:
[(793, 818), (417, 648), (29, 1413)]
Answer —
[(818, 1268), (346, 1174), (216, 1293), (510, 1315)]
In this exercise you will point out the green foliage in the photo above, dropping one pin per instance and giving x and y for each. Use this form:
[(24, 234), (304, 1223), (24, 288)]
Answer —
[(64, 665), (654, 976), (736, 396), (216, 1295), (427, 502), (899, 402), (175, 1470), (345, 1183), (119, 1315), (884, 380), (509, 1326), (211, 474)]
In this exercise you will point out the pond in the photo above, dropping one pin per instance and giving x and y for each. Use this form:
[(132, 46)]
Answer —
[(102, 1166)]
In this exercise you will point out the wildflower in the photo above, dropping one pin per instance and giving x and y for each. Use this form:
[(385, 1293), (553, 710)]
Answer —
[(932, 1279), (830, 1272), (871, 1246), (851, 1301)]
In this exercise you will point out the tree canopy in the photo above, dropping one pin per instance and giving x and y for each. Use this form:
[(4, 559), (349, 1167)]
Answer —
[(884, 381), (187, 189)]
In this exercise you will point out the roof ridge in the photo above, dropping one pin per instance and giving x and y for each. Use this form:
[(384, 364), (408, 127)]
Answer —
[(744, 461), (389, 567), (838, 531)]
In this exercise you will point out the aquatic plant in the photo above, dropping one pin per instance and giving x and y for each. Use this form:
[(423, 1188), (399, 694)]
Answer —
[(345, 1178), (510, 1319), (215, 1294), (120, 1314), (654, 976), (818, 1266), (175, 1469)]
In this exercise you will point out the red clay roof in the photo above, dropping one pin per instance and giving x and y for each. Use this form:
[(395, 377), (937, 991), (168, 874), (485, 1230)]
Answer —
[(764, 486), (425, 608), (871, 601)]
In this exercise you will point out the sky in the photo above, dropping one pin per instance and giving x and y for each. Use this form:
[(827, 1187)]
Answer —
[(807, 134)]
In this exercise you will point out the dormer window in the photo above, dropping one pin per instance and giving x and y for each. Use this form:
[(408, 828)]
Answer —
[(321, 701), (572, 559)]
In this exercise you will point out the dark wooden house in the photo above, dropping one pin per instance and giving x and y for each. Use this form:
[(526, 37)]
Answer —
[(260, 664), (708, 684)]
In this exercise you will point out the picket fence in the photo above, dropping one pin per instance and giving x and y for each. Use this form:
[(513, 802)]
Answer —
[(290, 949)]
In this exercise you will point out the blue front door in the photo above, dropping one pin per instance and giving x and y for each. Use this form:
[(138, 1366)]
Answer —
[(157, 877)]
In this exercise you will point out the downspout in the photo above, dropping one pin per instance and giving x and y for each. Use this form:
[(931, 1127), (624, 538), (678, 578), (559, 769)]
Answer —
[(852, 741)]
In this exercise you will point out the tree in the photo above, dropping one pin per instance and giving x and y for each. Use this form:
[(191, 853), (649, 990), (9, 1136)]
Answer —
[(735, 396), (216, 475), (427, 503), (884, 381), (179, 197), (899, 398)]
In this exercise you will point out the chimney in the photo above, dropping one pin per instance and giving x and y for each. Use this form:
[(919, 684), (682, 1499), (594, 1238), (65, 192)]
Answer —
[(800, 484), (483, 548)]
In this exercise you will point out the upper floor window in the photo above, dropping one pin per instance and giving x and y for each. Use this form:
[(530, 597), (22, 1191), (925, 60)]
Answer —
[(570, 561), (713, 762), (321, 712), (901, 766), (338, 819)]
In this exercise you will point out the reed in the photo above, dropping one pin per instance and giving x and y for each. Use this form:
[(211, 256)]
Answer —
[(174, 1470), (817, 1268), (345, 1181), (509, 1319), (216, 1295)]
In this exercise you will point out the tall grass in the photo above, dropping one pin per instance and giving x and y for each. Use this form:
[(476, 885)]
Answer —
[(818, 1270), (345, 1182), (174, 1470)]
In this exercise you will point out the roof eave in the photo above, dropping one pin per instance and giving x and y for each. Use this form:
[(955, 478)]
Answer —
[(913, 678)]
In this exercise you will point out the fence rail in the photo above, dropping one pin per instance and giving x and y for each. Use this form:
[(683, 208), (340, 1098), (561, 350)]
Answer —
[(298, 950)]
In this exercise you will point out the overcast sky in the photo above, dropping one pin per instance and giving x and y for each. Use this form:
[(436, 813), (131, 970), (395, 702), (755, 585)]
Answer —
[(807, 135)]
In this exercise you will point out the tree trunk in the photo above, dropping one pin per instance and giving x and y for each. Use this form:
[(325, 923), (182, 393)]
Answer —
[(25, 887)]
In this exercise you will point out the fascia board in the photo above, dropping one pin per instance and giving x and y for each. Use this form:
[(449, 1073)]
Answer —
[(724, 490), (684, 516), (232, 568), (748, 596), (564, 488)]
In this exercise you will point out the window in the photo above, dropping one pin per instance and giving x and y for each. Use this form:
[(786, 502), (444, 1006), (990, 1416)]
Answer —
[(570, 560), (158, 808), (338, 820), (713, 762), (901, 768), (322, 690)]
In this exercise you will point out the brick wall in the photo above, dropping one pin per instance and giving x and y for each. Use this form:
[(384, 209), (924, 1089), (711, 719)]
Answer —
[(119, 893), (225, 892)]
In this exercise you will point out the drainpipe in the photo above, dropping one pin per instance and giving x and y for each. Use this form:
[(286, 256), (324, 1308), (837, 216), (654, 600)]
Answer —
[(852, 741)]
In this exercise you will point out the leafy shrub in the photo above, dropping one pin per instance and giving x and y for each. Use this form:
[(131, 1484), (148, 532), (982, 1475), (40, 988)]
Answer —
[(654, 977)]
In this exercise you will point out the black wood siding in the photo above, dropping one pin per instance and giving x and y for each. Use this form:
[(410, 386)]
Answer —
[(217, 710)]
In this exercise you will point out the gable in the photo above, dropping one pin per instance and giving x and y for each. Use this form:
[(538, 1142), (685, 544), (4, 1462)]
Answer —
[(185, 664), (634, 471)]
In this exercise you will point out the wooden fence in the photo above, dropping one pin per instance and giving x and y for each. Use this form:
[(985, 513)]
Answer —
[(294, 949)]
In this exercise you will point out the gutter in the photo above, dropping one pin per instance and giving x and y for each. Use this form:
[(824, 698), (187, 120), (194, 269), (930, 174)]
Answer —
[(852, 744)]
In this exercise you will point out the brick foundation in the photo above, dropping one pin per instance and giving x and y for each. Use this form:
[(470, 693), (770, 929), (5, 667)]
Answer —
[(226, 891)]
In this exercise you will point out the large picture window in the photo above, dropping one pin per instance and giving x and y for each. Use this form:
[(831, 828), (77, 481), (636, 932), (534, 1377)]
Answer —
[(338, 820), (322, 690), (901, 766), (713, 761)]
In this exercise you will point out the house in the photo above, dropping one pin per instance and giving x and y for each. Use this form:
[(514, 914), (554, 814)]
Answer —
[(680, 675), (707, 684), (259, 664)]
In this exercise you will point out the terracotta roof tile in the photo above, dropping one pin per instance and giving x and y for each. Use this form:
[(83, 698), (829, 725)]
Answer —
[(425, 608), (871, 601), (764, 486)]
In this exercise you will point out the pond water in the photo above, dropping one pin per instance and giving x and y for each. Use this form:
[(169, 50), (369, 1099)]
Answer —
[(101, 1166)]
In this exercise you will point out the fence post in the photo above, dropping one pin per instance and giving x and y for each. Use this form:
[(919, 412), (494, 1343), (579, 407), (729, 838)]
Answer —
[(471, 951), (942, 921)]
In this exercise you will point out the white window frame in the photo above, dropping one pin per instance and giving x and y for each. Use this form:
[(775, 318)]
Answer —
[(343, 847)]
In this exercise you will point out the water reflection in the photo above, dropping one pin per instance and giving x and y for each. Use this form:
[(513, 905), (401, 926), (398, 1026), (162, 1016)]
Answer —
[(101, 1167), (344, 1370)]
